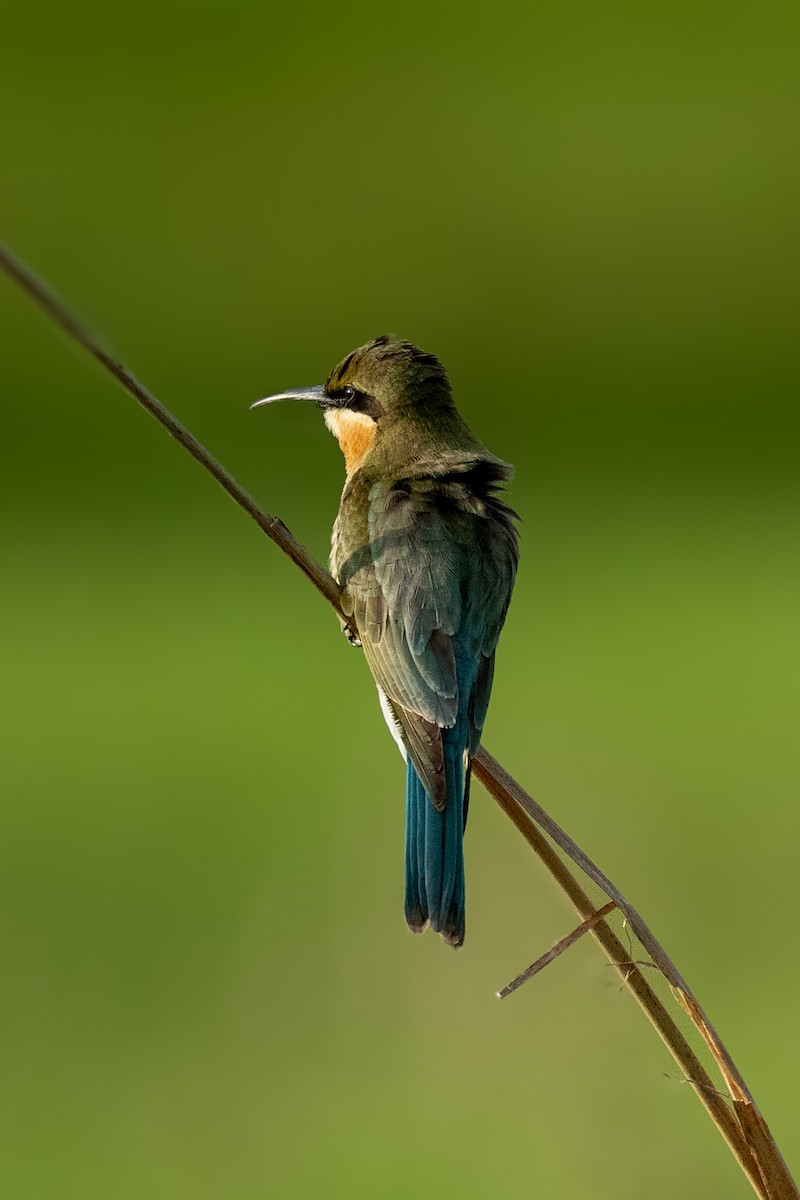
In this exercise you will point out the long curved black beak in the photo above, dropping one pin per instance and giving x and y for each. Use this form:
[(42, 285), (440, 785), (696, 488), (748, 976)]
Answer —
[(317, 394)]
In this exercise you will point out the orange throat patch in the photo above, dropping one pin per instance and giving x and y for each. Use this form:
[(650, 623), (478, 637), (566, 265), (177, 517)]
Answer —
[(355, 433)]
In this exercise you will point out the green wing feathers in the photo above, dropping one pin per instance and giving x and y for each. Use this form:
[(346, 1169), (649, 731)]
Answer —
[(427, 578)]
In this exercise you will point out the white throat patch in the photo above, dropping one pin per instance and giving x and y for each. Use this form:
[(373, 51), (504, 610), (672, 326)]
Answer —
[(342, 421), (355, 432)]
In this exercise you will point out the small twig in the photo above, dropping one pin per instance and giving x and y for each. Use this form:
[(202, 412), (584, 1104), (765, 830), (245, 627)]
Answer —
[(743, 1127), (637, 962), (692, 1083), (556, 950)]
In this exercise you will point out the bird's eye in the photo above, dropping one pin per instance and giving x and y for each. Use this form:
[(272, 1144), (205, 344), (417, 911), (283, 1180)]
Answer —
[(348, 394)]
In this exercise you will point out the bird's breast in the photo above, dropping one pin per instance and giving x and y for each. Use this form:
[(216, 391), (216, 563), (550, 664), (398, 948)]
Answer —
[(350, 532)]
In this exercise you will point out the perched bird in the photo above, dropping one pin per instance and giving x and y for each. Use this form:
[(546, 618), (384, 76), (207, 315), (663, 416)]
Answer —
[(426, 555)]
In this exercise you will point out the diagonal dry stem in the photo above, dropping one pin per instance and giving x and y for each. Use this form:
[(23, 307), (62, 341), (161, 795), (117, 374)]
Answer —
[(739, 1122), (273, 527), (555, 951)]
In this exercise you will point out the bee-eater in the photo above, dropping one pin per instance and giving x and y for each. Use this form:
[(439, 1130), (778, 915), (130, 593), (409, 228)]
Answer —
[(426, 555)]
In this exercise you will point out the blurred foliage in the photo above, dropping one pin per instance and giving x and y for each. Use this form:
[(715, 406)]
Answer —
[(590, 214)]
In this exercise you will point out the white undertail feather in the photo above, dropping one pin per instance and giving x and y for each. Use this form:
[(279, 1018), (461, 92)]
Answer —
[(391, 721)]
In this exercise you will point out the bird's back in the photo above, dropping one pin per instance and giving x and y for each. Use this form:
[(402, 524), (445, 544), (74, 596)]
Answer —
[(427, 560)]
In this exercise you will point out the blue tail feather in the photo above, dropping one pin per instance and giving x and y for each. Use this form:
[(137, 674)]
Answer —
[(453, 831), (434, 852), (416, 904)]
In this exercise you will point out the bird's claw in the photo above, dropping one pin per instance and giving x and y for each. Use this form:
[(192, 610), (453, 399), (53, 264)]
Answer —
[(351, 634)]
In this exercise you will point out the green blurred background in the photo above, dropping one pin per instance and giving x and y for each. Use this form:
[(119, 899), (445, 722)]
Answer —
[(591, 214)]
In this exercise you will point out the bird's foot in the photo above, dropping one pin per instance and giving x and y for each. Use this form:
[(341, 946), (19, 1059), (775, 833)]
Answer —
[(351, 634)]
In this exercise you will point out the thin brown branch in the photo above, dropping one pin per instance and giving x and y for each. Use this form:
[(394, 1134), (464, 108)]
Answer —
[(770, 1177), (553, 953), (741, 1124), (691, 1067), (274, 528)]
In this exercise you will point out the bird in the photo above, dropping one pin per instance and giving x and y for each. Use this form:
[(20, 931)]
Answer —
[(425, 552)]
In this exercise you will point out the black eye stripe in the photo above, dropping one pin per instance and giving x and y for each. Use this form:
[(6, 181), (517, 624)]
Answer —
[(343, 397), (364, 403), (351, 398)]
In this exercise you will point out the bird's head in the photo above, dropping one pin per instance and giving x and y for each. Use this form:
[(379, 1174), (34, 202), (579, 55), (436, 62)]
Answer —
[(385, 392)]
